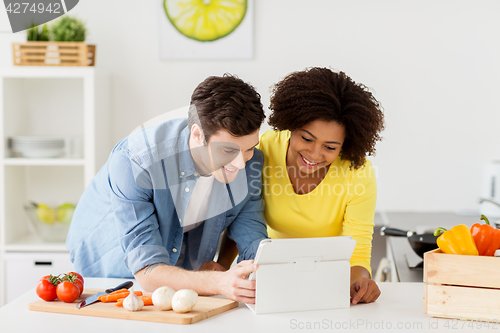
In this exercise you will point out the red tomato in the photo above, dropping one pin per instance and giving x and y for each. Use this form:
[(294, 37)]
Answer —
[(77, 279), (67, 291), (78, 276), (53, 279), (79, 284), (46, 290)]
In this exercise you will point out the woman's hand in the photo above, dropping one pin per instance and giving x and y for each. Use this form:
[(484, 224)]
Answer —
[(364, 290), (234, 284)]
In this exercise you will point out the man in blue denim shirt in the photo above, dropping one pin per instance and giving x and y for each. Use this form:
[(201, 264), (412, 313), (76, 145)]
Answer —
[(156, 209)]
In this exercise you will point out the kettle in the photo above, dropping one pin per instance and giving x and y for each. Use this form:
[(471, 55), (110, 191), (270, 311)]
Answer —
[(490, 190)]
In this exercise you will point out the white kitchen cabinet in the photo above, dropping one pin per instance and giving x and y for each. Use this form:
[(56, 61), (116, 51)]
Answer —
[(23, 270), (68, 102)]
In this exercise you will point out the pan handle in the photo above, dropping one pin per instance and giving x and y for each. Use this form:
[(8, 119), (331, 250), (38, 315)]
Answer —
[(385, 231)]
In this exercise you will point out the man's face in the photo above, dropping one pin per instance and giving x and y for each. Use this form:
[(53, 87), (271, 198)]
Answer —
[(223, 155), (228, 154)]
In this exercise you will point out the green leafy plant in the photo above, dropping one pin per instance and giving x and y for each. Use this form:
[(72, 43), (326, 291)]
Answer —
[(44, 35), (68, 29), (34, 33)]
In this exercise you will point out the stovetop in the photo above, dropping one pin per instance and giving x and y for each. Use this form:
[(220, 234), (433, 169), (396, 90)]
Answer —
[(405, 259), (414, 263)]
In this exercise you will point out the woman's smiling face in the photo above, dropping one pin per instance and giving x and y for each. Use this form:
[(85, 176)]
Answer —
[(315, 145)]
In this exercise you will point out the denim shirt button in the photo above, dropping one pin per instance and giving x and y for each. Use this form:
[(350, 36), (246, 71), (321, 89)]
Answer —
[(174, 250), (186, 189), (182, 173)]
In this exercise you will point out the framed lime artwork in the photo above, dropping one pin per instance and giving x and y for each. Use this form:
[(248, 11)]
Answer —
[(206, 29)]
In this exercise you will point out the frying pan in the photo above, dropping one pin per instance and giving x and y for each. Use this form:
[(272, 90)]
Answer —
[(420, 243)]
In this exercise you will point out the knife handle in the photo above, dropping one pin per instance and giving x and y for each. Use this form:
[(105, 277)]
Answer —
[(126, 285)]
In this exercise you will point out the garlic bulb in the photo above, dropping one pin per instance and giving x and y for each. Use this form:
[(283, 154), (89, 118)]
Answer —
[(132, 302), (162, 298), (184, 300)]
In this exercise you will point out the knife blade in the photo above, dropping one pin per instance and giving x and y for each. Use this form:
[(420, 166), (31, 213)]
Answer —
[(92, 299)]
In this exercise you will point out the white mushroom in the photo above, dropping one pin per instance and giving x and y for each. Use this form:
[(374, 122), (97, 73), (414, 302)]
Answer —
[(184, 300), (162, 298)]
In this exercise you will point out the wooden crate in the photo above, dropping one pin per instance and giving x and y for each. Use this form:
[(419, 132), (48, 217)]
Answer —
[(53, 54), (462, 287)]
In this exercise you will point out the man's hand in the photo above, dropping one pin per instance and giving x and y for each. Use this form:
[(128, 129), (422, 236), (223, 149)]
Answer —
[(364, 290), (231, 283), (212, 266), (234, 284)]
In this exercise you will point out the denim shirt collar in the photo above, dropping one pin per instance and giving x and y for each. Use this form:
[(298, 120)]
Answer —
[(186, 163)]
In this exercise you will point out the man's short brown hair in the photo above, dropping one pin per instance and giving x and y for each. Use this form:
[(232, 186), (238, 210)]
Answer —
[(228, 103)]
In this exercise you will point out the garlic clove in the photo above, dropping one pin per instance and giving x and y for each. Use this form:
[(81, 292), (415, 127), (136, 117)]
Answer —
[(162, 298), (132, 302), (184, 300)]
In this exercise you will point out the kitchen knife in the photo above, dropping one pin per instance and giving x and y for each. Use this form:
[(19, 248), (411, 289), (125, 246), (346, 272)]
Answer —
[(92, 299)]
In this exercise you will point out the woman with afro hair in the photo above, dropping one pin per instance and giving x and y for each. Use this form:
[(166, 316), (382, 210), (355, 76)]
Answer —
[(317, 181)]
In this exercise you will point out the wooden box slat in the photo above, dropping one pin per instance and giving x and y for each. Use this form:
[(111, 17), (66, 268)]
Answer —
[(53, 54), (461, 270), (461, 286), (462, 302)]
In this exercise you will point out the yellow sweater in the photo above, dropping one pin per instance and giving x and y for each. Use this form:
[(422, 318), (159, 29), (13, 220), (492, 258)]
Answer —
[(342, 204)]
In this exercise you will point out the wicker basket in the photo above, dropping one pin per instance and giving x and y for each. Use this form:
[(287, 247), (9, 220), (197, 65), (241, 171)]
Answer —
[(53, 54)]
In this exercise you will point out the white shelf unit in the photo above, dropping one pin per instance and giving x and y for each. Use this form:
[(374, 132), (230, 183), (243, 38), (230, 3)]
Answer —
[(68, 102), (44, 161)]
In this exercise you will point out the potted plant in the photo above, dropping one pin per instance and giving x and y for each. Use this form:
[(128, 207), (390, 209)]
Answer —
[(61, 44), (35, 34), (68, 29)]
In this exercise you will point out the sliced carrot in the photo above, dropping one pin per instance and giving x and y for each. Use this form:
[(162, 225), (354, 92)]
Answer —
[(121, 291), (114, 297), (124, 290), (148, 300)]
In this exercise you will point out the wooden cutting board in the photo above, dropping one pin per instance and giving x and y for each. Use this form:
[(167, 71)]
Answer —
[(205, 307)]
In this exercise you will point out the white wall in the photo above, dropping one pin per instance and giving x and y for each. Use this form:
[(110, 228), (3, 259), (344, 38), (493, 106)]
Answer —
[(433, 64)]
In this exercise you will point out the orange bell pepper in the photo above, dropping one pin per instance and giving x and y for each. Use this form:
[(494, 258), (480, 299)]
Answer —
[(458, 240), (487, 237)]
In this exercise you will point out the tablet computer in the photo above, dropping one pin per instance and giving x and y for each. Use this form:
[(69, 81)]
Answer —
[(290, 250)]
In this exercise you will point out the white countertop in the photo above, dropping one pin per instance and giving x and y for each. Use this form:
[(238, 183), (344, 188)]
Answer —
[(399, 309)]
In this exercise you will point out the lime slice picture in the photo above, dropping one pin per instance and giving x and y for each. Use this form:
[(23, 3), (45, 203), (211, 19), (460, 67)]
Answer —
[(205, 20)]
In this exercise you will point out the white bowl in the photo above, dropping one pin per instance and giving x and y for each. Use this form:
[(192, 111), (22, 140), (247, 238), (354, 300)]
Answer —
[(40, 153)]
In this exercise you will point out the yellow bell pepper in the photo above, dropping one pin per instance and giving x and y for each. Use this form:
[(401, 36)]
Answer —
[(458, 240)]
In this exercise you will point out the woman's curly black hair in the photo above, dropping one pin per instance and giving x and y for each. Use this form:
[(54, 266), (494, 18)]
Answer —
[(319, 93)]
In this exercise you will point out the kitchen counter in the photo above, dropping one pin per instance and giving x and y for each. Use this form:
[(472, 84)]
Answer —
[(399, 308), (401, 251)]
